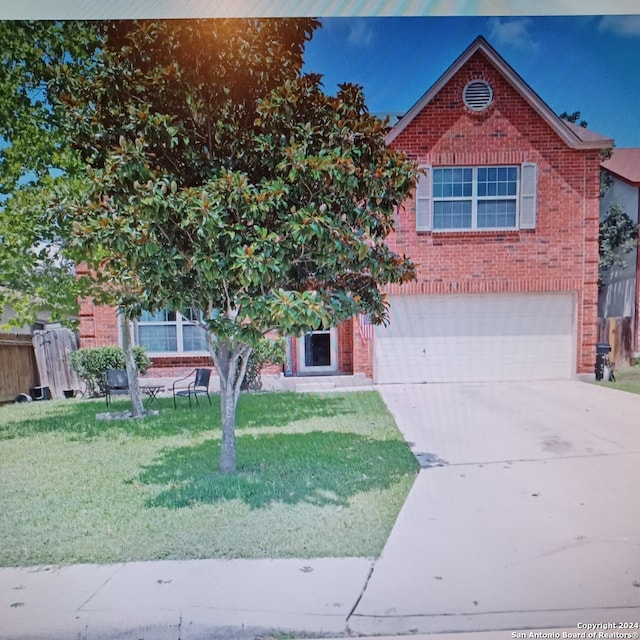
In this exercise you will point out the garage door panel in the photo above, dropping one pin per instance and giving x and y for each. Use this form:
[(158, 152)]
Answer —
[(479, 315), (476, 338)]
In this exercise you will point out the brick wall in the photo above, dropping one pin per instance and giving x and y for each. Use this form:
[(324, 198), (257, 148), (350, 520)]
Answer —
[(362, 353), (99, 328), (345, 347), (98, 325), (561, 254), (182, 365)]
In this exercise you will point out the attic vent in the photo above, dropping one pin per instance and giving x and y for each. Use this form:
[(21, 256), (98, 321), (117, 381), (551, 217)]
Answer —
[(478, 95)]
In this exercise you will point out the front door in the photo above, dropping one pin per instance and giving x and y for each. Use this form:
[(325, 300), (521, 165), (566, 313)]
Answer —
[(317, 352)]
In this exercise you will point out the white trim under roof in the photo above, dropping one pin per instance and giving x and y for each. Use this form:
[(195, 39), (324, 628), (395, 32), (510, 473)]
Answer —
[(575, 137)]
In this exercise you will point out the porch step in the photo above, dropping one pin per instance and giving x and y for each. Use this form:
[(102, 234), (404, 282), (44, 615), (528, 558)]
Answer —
[(315, 386), (320, 384)]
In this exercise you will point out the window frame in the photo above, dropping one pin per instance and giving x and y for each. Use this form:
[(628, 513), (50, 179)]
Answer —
[(528, 212), (332, 367), (475, 199), (179, 323)]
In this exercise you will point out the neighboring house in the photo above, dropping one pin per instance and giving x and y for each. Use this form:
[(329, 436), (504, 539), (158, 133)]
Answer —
[(504, 233), (619, 297)]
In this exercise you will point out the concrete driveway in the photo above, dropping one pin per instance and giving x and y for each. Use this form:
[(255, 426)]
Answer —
[(525, 515)]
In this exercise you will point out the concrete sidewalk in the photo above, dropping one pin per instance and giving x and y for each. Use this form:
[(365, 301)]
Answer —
[(192, 600), (180, 600)]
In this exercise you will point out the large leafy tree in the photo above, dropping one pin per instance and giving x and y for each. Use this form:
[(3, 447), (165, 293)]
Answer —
[(34, 273), (39, 165), (223, 180), (618, 236)]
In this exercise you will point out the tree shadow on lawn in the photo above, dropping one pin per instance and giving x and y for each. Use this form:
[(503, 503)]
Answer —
[(320, 468), (279, 409), (78, 419)]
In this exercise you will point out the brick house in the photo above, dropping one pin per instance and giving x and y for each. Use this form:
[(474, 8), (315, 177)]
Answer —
[(503, 230)]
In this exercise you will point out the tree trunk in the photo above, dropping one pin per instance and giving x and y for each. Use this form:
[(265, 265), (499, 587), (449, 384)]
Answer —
[(231, 360), (228, 402), (137, 409)]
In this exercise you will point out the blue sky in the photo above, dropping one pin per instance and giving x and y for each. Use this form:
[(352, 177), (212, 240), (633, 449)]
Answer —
[(574, 63)]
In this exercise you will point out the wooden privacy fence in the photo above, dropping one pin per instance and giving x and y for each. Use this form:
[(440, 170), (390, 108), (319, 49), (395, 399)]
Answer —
[(40, 360), (18, 366), (618, 332), (53, 348)]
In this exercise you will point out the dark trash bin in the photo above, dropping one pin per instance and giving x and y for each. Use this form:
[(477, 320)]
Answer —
[(603, 349), (41, 393)]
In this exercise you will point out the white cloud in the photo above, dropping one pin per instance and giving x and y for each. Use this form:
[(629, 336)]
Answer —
[(621, 25), (360, 34), (512, 32), (352, 32)]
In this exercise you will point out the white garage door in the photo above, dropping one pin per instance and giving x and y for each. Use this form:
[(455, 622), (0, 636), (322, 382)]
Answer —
[(469, 338)]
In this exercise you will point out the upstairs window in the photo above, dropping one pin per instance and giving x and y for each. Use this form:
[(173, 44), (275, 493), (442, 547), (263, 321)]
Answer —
[(476, 198)]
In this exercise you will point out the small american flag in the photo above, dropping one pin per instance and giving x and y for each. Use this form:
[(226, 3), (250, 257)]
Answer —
[(365, 326)]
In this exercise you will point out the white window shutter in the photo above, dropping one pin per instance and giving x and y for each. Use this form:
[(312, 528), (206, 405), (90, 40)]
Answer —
[(423, 200), (528, 192)]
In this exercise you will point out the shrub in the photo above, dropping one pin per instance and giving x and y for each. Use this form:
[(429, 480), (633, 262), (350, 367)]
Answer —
[(92, 364), (268, 351), (618, 236)]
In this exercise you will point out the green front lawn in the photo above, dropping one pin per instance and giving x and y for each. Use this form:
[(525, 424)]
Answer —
[(626, 380), (319, 475)]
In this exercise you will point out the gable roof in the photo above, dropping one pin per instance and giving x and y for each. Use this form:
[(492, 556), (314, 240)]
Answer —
[(625, 163), (574, 136)]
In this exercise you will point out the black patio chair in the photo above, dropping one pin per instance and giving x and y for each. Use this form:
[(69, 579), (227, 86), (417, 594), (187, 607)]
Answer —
[(116, 383), (198, 386)]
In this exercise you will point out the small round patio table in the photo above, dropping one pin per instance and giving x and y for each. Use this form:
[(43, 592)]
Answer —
[(152, 391)]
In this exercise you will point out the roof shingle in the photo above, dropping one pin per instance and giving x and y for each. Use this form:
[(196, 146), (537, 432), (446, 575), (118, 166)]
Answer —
[(625, 163)]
